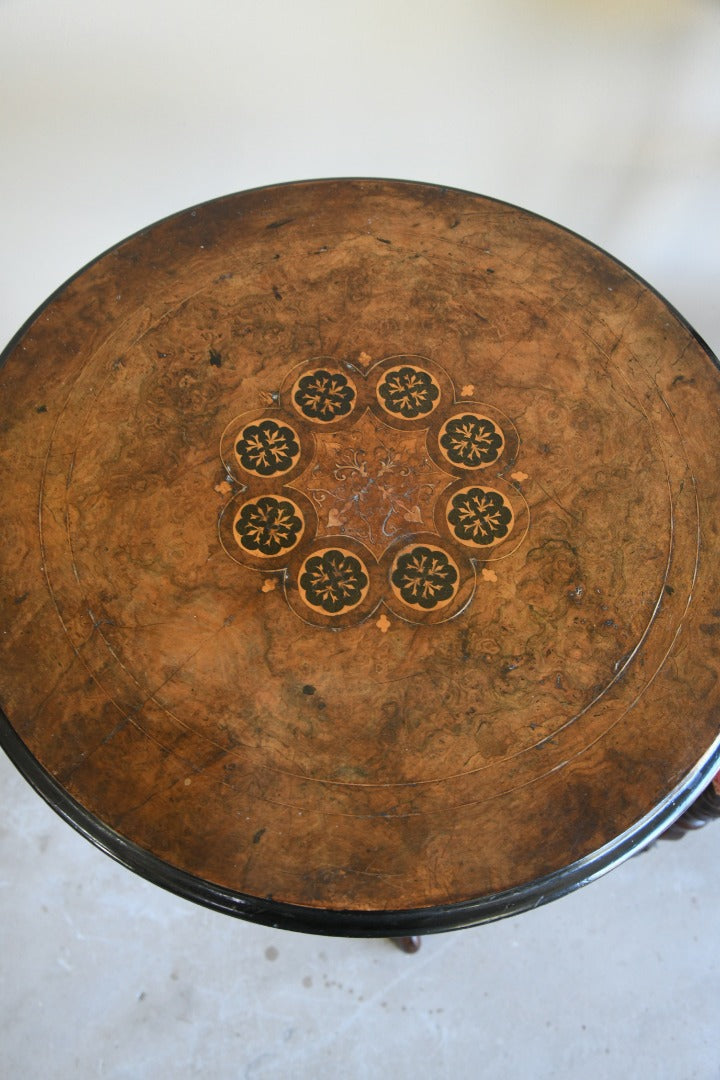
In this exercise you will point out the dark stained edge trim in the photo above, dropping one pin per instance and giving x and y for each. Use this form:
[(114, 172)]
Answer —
[(268, 912), (361, 924)]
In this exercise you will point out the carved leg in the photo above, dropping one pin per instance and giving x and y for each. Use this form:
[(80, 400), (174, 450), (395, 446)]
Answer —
[(705, 808), (407, 944)]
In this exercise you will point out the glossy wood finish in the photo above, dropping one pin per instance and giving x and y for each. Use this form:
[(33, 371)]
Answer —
[(408, 945), (705, 808), (362, 564)]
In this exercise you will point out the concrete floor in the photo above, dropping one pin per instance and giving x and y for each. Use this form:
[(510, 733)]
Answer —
[(604, 115)]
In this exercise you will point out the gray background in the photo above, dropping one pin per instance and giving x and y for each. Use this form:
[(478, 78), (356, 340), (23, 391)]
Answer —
[(603, 115)]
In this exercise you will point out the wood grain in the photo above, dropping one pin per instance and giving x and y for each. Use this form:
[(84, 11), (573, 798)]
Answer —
[(240, 623)]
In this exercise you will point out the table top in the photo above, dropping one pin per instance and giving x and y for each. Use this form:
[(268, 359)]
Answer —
[(361, 569)]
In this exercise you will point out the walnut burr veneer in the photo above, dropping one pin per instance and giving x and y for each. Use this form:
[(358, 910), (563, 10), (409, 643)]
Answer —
[(361, 557)]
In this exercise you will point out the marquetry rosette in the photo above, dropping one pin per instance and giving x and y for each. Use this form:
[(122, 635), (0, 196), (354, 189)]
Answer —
[(334, 581), (369, 487), (471, 437), (429, 580), (486, 517), (261, 529), (324, 395)]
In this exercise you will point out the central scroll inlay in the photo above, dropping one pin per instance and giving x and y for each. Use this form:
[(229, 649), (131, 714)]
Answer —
[(374, 482), (367, 488)]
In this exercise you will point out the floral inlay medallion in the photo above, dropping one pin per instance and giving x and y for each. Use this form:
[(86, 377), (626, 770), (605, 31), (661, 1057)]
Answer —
[(479, 517), (425, 577), (323, 396), (471, 441), (372, 487), (267, 526), (408, 391), (334, 580), (267, 448)]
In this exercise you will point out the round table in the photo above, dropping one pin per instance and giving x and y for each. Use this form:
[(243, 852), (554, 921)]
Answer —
[(361, 567)]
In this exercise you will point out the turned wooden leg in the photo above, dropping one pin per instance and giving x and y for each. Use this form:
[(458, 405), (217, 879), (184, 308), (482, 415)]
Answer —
[(705, 808), (407, 944)]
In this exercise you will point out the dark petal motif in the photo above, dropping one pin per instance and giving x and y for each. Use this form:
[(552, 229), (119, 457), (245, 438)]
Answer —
[(479, 517), (267, 448), (324, 396), (471, 441), (334, 581), (408, 392), (424, 577), (268, 525)]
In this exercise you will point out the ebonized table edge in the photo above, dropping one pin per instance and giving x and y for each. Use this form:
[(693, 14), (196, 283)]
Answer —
[(360, 924)]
